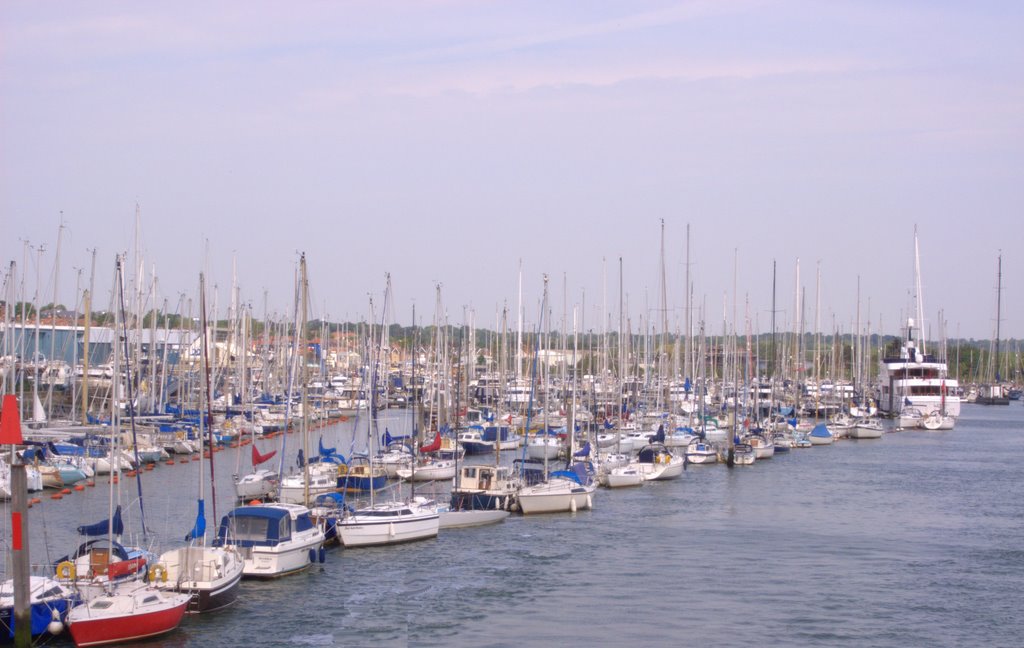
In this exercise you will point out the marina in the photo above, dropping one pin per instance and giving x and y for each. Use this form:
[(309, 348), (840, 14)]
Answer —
[(912, 539), (453, 430), (511, 324)]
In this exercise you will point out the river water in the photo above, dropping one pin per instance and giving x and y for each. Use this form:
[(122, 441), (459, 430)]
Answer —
[(911, 540)]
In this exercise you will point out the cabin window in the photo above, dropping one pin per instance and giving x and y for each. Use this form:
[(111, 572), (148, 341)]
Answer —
[(250, 529), (284, 528), (149, 599), (101, 604)]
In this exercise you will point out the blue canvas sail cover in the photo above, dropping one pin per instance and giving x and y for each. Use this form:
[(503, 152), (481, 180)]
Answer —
[(387, 439), (659, 437), (820, 430), (608, 424), (335, 459), (687, 385), (113, 526), (325, 452), (567, 474), (584, 451), (199, 530), (40, 616)]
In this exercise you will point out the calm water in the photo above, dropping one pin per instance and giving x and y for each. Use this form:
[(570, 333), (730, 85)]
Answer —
[(911, 540)]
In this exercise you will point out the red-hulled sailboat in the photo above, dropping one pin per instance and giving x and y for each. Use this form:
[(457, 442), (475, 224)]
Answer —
[(130, 612)]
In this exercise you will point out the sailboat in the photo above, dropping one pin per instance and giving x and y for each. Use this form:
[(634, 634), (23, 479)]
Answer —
[(119, 605), (480, 494), (103, 561), (561, 491), (314, 478), (275, 539), (992, 393), (261, 483), (50, 602), (392, 522), (130, 612), (656, 462), (209, 575)]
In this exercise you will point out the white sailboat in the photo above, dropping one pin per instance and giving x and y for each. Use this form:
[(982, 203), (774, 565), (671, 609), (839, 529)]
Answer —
[(701, 452), (561, 491), (261, 483), (624, 476), (387, 522), (657, 463), (209, 575)]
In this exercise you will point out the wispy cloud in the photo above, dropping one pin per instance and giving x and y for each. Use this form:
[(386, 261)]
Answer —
[(526, 78), (575, 32)]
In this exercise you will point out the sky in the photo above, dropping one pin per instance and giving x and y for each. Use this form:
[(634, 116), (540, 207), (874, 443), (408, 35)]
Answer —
[(462, 145)]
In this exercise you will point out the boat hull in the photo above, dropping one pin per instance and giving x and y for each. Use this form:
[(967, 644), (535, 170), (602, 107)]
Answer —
[(540, 450), (281, 560), (623, 478), (42, 607), (548, 497), (257, 485), (663, 471), (216, 597), (436, 471), (866, 432), (210, 575), (470, 518), (362, 532), (700, 455), (101, 629)]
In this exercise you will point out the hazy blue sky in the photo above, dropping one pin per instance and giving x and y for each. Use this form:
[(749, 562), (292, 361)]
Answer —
[(444, 141)]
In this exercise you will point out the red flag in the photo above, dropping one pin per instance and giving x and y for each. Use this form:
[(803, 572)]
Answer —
[(434, 445), (10, 421), (257, 458)]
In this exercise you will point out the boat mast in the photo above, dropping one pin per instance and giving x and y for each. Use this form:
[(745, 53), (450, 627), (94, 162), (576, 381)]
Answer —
[(304, 402), (920, 297), (999, 295), (131, 397), (205, 413), (688, 354)]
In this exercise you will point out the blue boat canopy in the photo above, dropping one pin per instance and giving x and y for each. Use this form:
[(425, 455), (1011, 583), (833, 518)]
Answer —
[(567, 474), (249, 526), (820, 430), (113, 526)]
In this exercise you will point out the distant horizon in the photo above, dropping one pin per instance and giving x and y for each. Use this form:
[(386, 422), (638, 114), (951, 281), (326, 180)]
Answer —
[(221, 325)]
